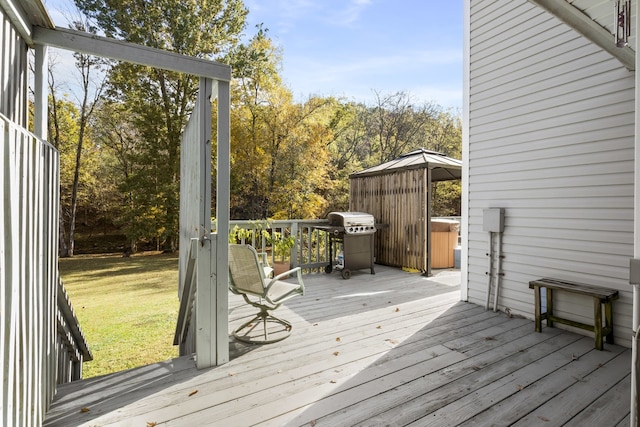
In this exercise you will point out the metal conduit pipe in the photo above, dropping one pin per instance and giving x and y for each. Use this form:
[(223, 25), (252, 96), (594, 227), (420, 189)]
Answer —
[(498, 271), (490, 271)]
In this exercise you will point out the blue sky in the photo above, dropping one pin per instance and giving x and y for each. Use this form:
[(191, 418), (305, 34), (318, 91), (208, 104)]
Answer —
[(352, 48)]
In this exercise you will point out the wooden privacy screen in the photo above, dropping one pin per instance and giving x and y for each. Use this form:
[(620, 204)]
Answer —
[(399, 201)]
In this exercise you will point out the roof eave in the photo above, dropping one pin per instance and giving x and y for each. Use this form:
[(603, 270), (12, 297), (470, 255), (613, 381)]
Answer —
[(590, 29), (419, 166), (25, 14)]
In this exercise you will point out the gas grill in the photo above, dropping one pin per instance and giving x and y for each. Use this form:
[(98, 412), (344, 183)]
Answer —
[(354, 233)]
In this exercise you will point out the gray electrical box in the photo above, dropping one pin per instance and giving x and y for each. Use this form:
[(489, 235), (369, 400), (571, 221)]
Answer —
[(493, 219)]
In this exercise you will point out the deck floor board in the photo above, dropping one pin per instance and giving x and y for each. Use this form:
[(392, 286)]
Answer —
[(391, 348)]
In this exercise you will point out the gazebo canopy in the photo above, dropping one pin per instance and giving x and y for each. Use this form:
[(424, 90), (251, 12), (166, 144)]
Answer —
[(443, 168)]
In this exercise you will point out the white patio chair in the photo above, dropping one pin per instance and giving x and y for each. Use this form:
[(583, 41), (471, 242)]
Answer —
[(247, 278)]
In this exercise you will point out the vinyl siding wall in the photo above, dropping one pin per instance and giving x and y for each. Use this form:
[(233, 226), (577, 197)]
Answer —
[(551, 140)]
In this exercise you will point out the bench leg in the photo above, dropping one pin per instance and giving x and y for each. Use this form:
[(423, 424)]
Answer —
[(608, 321), (597, 320), (549, 307), (536, 294)]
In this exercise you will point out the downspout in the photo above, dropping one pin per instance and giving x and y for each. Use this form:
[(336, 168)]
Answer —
[(635, 262), (464, 227)]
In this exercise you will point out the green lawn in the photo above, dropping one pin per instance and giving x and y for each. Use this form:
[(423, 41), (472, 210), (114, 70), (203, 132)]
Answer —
[(127, 308)]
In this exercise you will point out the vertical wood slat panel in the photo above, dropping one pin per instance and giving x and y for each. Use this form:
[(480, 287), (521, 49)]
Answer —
[(189, 203), (395, 200), (28, 261)]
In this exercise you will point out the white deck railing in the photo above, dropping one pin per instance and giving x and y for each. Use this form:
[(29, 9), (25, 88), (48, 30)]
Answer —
[(71, 344), (29, 278), (309, 246)]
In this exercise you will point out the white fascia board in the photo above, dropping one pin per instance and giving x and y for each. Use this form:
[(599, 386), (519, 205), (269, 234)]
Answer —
[(91, 44)]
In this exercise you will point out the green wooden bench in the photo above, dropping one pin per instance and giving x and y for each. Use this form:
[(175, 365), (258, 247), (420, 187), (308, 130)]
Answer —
[(601, 297)]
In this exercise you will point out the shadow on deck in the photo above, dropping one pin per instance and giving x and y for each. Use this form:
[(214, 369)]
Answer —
[(393, 348)]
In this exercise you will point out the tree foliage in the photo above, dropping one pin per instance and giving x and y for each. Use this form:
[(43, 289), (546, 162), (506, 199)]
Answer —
[(289, 159), (160, 101)]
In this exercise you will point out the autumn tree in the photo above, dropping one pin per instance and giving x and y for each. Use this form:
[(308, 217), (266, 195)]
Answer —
[(397, 125), (279, 155), (69, 133), (91, 71), (118, 139), (349, 148), (160, 101), (445, 136)]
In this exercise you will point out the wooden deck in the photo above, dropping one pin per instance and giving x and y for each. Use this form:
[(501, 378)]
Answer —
[(390, 349)]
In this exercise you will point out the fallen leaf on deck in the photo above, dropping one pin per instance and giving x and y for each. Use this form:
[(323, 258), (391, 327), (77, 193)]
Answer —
[(397, 309), (338, 339), (378, 327), (543, 418), (84, 409), (193, 392), (151, 424), (333, 381), (519, 387), (335, 353)]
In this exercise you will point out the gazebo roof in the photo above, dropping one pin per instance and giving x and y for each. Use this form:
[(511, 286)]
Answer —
[(443, 168)]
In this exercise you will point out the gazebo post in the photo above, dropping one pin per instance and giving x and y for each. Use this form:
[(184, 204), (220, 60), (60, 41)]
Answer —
[(428, 207)]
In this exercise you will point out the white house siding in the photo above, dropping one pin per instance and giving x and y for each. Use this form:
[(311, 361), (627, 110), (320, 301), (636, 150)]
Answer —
[(13, 73), (551, 137)]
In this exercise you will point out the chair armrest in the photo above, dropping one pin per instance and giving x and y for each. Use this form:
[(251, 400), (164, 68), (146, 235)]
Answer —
[(263, 259), (297, 270), (287, 273)]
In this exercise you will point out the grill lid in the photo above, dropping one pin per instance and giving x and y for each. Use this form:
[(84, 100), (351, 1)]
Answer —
[(353, 222)]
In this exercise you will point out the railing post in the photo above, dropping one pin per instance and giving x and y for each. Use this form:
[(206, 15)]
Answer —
[(295, 254), (205, 307)]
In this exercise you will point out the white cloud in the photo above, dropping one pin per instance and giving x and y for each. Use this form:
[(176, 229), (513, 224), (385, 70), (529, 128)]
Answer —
[(401, 62), (428, 75), (350, 14)]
